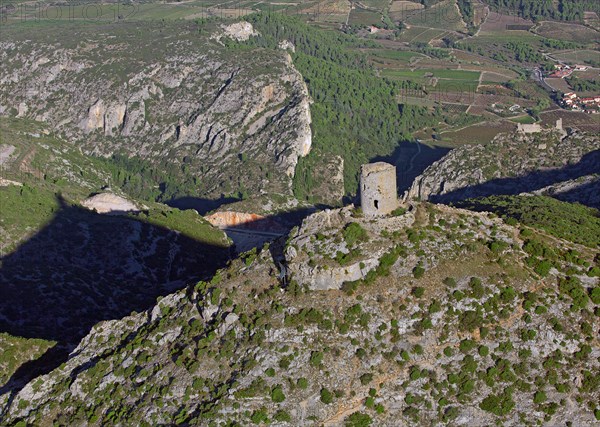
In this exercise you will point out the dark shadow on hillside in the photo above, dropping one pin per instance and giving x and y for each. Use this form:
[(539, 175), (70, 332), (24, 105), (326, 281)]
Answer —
[(535, 180), (82, 268), (411, 159), (202, 206), (587, 194)]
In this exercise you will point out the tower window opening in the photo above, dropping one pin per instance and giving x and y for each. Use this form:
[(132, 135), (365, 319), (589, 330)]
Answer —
[(376, 203)]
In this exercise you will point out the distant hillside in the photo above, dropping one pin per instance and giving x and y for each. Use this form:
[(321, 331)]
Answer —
[(170, 103)]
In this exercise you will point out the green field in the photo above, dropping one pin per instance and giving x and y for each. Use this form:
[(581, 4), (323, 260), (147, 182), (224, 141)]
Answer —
[(396, 55), (459, 79), (525, 120)]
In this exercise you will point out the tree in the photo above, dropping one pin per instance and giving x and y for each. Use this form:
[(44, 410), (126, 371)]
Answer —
[(277, 394), (326, 396)]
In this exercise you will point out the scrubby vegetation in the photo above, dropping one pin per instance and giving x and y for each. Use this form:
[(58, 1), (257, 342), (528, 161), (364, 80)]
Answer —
[(488, 339), (569, 221), (566, 10)]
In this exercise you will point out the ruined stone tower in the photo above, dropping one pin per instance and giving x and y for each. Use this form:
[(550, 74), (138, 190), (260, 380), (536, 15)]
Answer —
[(378, 194)]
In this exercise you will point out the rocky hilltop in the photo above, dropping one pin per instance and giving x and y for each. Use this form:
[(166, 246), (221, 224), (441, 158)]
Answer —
[(172, 94), (544, 163), (453, 324)]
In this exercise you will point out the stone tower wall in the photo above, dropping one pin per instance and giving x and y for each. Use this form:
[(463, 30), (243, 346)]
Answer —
[(378, 191)]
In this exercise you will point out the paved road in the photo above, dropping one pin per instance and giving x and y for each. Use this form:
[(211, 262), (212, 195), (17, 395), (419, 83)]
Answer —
[(538, 76)]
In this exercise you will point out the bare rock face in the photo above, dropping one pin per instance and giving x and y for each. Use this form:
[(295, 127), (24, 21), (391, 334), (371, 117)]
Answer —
[(229, 219), (240, 31), (510, 164), (240, 119), (287, 45), (109, 203)]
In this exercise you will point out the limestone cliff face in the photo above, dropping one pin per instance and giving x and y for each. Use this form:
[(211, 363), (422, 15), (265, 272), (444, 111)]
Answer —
[(239, 118), (511, 164)]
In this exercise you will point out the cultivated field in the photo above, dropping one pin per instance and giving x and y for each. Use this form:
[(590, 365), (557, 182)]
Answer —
[(567, 31), (444, 15), (578, 56), (359, 16), (478, 133), (400, 10), (497, 23)]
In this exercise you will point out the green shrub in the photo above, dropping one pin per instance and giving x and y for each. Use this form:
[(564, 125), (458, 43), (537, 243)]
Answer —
[(282, 416), (543, 268), (415, 373), (450, 282), (302, 383), (353, 233), (418, 292), (418, 272), (498, 404), (466, 345), (316, 357), (358, 419), (277, 394), (366, 378), (259, 416), (326, 396), (539, 397), (483, 350)]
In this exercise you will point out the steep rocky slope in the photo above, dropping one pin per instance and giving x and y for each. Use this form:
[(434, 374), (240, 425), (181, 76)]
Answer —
[(453, 326), (567, 169), (228, 119)]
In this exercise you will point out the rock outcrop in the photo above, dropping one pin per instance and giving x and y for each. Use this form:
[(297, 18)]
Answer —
[(240, 31), (510, 164), (320, 256), (249, 221), (109, 203)]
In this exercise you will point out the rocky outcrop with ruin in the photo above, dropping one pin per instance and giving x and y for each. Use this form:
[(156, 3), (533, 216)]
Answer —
[(451, 331), (321, 256)]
